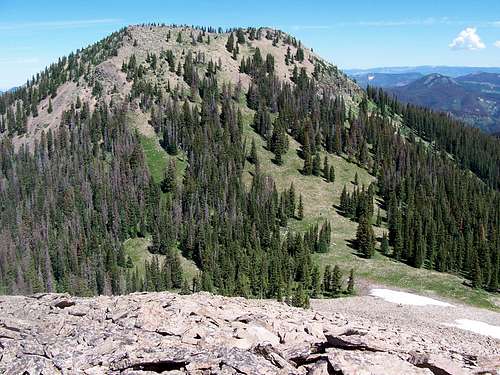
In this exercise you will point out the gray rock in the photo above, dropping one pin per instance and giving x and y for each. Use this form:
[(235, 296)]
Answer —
[(373, 363), (151, 333), (437, 364)]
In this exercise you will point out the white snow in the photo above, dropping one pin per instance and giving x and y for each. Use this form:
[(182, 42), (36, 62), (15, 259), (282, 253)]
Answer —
[(370, 78), (406, 298), (476, 326)]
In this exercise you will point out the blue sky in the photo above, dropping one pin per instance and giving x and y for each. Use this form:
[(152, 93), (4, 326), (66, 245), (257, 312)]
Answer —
[(351, 34)]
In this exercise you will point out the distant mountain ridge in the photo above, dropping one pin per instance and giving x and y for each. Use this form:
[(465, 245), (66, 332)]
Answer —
[(474, 98), (468, 93), (452, 71), (386, 79)]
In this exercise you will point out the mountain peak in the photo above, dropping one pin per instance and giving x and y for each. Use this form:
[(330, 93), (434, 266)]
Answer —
[(436, 79), (104, 62)]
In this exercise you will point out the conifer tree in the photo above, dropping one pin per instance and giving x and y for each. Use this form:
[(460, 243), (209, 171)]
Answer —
[(336, 280), (288, 291), (278, 143), (196, 284), (185, 288), (291, 201), (176, 271), (418, 255), (350, 282), (243, 286), (398, 236), (316, 282), (252, 157), (279, 293), (306, 153), (493, 284), (332, 174), (299, 56), (307, 302), (288, 56), (316, 165), (326, 169), (300, 210), (49, 110), (300, 298), (295, 75), (379, 218), (230, 43), (169, 181), (344, 201), (324, 238), (240, 36), (363, 153), (308, 163), (120, 257), (365, 238), (206, 281), (337, 140), (384, 245), (327, 278)]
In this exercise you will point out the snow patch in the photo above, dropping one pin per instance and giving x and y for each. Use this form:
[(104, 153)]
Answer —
[(406, 298), (370, 78), (476, 326)]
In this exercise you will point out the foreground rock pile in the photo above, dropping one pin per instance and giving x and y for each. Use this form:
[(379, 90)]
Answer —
[(166, 333)]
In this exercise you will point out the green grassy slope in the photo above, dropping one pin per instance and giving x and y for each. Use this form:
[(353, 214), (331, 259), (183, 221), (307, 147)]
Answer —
[(319, 199), (137, 249), (157, 160)]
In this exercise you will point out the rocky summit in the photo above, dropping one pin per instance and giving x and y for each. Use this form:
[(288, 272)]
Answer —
[(167, 333)]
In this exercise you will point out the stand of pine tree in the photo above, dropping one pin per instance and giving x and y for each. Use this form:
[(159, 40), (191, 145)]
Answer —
[(70, 202)]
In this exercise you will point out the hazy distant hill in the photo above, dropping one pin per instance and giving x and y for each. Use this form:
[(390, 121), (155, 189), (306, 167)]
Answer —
[(452, 71), (469, 93), (474, 98), (386, 79), (487, 83)]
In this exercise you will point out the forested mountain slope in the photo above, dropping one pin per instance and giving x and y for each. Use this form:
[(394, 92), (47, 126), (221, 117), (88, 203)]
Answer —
[(473, 98), (241, 152)]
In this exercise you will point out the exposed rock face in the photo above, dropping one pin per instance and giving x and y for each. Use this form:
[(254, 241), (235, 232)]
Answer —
[(167, 333)]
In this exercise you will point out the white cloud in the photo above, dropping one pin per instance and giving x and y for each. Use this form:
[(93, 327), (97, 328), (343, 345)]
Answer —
[(467, 39), (497, 44)]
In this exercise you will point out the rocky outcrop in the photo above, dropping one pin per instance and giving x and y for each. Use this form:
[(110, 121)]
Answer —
[(166, 333)]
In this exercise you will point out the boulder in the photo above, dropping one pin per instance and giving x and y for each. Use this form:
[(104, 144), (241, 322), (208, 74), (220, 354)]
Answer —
[(438, 365), (371, 363), (151, 333)]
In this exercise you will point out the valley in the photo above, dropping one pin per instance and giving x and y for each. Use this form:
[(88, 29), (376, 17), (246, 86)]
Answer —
[(470, 94)]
